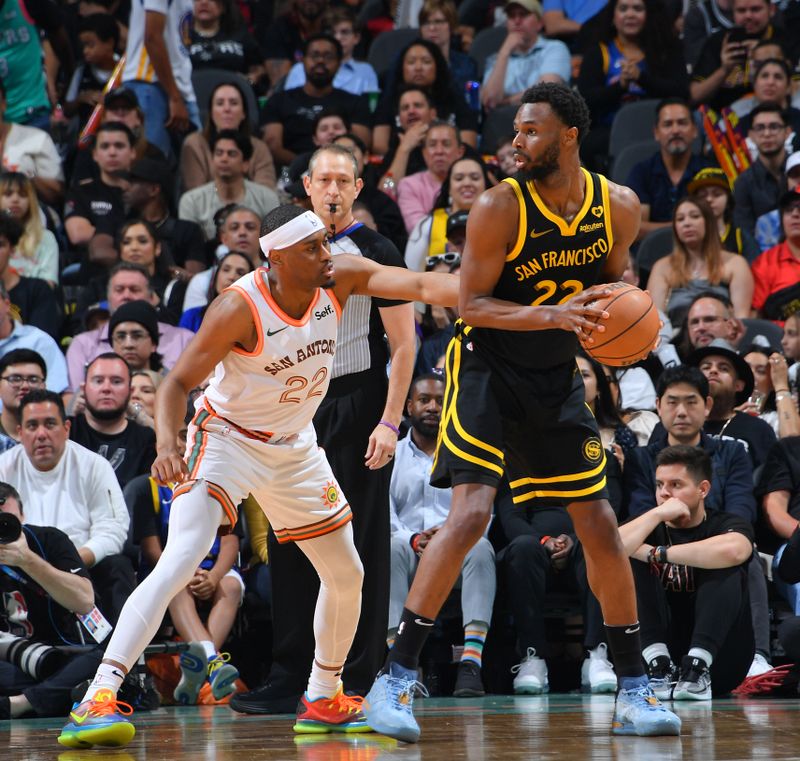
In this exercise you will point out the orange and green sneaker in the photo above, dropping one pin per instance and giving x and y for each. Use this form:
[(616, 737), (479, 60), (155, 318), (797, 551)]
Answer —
[(99, 721), (340, 713)]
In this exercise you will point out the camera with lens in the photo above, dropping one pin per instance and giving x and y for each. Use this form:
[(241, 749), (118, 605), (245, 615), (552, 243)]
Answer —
[(10, 528)]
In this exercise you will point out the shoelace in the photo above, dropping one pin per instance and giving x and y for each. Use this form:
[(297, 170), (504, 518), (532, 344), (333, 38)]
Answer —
[(646, 695), (346, 703), (764, 683), (528, 656), (107, 705), (397, 687), (219, 660)]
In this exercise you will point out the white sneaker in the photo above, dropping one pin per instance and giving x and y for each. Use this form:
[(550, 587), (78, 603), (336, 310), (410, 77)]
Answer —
[(759, 666), (531, 675), (597, 673)]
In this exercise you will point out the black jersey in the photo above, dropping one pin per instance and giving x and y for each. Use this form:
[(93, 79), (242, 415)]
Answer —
[(552, 261)]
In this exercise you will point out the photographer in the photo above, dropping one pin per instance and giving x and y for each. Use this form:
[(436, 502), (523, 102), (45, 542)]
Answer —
[(43, 583)]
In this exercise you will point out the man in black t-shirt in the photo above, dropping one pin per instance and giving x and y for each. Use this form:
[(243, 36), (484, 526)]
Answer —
[(43, 584), (147, 196), (288, 116), (690, 572), (104, 426), (94, 210), (730, 383)]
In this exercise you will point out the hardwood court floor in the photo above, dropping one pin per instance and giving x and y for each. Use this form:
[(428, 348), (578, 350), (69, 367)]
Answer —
[(556, 727)]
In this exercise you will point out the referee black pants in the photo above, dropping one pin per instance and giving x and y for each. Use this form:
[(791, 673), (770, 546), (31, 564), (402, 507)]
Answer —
[(715, 616), (344, 422)]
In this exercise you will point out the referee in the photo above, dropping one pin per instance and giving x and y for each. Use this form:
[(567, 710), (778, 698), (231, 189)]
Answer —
[(357, 426)]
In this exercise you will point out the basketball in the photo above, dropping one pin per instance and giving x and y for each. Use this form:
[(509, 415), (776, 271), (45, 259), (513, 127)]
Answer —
[(631, 329)]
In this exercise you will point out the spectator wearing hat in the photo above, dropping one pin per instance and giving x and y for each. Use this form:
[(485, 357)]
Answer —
[(133, 331), (231, 154), (524, 58), (757, 189), (777, 271), (148, 196), (712, 186), (769, 231), (119, 105), (127, 282), (730, 385), (456, 231)]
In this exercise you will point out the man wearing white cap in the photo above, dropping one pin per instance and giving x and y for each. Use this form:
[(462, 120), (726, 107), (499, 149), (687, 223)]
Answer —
[(270, 340), (524, 59)]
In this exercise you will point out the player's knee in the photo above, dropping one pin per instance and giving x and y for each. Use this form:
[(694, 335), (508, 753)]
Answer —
[(469, 526)]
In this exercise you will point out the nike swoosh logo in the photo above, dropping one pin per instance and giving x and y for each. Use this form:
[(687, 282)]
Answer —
[(534, 234), (74, 570), (632, 629), (273, 332), (78, 719), (423, 623)]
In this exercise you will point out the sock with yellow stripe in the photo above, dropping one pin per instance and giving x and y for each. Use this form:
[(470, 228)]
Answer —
[(474, 638)]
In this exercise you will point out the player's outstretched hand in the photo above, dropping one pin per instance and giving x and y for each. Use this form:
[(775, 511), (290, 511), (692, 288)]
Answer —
[(578, 315), (381, 447), (169, 468)]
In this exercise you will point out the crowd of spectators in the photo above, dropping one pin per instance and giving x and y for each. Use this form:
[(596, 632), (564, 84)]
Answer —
[(138, 154)]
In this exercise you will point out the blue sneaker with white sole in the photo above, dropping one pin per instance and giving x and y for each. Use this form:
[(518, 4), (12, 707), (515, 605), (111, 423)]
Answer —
[(639, 712), (390, 702), (222, 676), (194, 669)]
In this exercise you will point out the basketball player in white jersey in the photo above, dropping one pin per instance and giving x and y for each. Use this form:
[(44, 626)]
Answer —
[(270, 340)]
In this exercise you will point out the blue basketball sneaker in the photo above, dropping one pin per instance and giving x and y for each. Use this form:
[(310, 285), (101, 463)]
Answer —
[(99, 721), (222, 676), (389, 704), (639, 712)]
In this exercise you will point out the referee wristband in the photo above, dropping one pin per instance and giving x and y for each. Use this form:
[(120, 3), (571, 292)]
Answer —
[(390, 426)]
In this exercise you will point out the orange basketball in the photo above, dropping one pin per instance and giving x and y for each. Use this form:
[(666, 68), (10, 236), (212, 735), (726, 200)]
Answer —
[(631, 329)]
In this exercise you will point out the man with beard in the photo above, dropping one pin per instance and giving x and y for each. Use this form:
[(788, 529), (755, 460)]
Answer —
[(758, 189), (104, 426), (515, 403), (730, 383), (288, 116), (663, 178), (418, 512)]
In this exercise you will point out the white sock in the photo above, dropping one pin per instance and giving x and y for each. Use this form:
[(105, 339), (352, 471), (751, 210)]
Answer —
[(211, 651), (323, 682), (108, 677), (654, 651), (704, 655)]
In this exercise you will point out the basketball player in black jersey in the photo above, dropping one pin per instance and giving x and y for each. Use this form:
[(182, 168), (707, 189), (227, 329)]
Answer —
[(537, 247)]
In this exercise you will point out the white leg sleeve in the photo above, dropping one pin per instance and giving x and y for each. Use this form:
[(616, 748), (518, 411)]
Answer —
[(336, 561), (193, 523)]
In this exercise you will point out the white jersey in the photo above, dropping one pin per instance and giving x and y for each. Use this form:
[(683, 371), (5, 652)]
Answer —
[(138, 66), (277, 388)]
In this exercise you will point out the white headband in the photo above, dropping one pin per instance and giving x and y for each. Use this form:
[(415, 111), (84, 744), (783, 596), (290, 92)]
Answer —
[(292, 232)]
